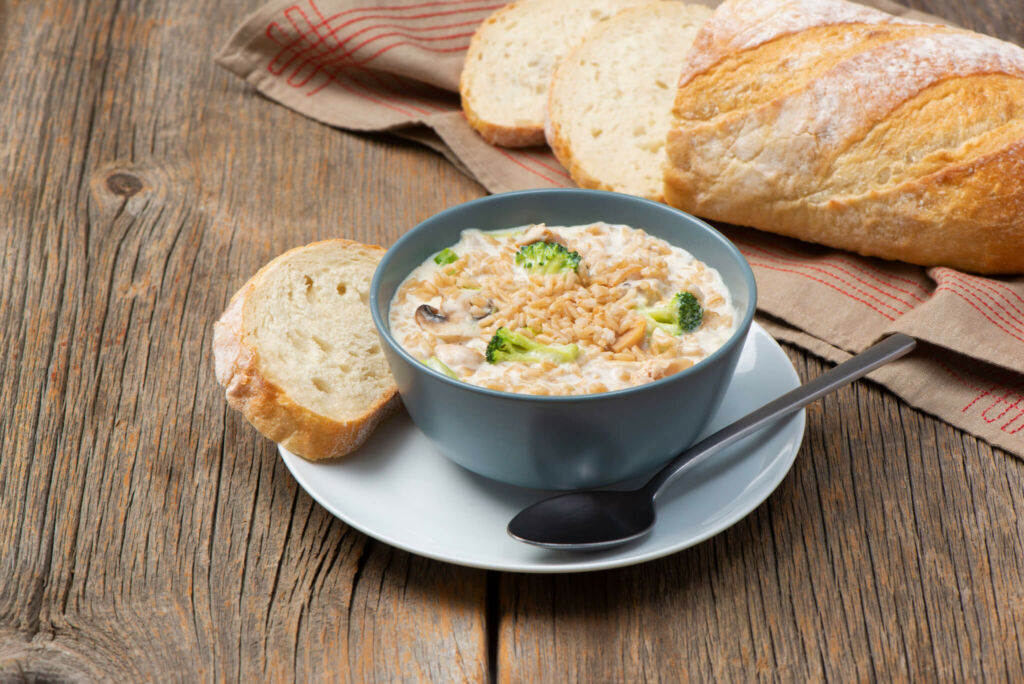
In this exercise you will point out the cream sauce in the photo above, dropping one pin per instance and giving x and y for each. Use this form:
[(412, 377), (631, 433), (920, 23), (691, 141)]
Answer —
[(461, 341)]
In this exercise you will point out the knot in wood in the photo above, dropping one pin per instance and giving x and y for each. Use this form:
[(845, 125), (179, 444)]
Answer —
[(124, 184)]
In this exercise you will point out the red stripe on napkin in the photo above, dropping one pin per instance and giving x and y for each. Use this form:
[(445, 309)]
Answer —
[(843, 283), (350, 87), (993, 316), (339, 42), (546, 161), (306, 54), (1006, 296), (325, 22), (320, 59), (843, 275), (882, 278), (519, 158)]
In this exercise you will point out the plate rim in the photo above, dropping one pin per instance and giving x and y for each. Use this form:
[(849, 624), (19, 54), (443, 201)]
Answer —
[(590, 562)]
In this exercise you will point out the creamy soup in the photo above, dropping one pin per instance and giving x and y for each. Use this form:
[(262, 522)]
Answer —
[(557, 310)]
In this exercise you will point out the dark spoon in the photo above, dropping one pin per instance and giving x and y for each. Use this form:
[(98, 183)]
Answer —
[(589, 520)]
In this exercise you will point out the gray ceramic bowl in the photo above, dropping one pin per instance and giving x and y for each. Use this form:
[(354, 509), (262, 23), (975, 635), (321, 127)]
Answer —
[(563, 442)]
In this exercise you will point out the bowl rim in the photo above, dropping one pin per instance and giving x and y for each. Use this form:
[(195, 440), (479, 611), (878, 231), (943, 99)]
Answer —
[(737, 337)]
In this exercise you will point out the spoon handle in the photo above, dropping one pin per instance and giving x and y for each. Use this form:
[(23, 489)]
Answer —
[(871, 358)]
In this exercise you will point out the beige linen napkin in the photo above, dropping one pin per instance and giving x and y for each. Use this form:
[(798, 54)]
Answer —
[(393, 65)]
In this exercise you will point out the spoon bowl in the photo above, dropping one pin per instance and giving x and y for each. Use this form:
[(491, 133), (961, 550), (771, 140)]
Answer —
[(592, 520), (586, 520)]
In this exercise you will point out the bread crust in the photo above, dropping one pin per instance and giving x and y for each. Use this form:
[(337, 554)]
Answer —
[(965, 217), (496, 134), (773, 165), (267, 406)]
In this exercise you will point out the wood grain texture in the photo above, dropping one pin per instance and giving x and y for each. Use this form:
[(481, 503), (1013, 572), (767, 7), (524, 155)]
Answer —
[(891, 552), (147, 533)]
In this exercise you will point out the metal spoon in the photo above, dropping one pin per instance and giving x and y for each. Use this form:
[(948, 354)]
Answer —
[(590, 520)]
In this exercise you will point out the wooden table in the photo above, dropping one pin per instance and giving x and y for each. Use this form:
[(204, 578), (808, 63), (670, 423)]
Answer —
[(147, 532)]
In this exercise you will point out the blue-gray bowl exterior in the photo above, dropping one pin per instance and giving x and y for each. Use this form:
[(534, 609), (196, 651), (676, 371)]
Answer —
[(563, 442)]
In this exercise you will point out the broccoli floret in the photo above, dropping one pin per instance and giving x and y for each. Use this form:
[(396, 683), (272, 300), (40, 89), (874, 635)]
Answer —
[(445, 256), (436, 364), (511, 346), (682, 314), (546, 257)]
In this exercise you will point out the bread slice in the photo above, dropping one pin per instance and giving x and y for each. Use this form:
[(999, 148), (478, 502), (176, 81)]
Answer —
[(508, 67), (298, 354), (610, 102)]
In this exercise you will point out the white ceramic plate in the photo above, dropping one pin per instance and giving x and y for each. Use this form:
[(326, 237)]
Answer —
[(399, 489)]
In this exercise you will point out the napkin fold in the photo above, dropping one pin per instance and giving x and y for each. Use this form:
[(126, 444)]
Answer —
[(385, 65)]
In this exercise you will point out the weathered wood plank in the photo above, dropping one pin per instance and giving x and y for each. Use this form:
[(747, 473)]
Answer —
[(145, 530), (891, 551)]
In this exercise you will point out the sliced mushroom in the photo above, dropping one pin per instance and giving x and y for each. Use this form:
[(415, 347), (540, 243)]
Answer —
[(480, 307), (438, 324), (427, 315)]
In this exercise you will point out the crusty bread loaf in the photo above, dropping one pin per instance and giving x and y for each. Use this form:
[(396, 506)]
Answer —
[(298, 354), (834, 123), (508, 67), (610, 101)]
